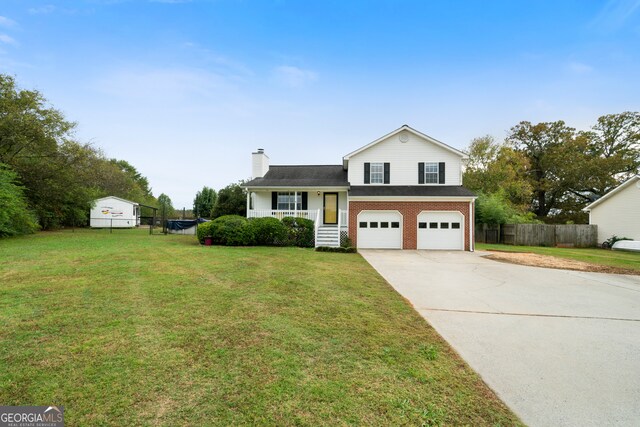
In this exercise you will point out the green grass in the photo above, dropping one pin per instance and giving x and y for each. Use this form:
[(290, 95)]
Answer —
[(619, 259), (132, 329)]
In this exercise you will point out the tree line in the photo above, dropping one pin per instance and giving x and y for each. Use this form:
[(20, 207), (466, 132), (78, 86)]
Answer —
[(540, 172), (48, 179), (230, 200), (548, 172)]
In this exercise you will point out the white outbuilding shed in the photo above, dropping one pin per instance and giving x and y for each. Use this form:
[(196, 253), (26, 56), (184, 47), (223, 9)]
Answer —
[(618, 211), (114, 212)]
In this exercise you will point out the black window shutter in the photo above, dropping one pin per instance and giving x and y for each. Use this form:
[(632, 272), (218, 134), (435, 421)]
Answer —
[(304, 200), (274, 200), (387, 166), (420, 173), (441, 173), (367, 173)]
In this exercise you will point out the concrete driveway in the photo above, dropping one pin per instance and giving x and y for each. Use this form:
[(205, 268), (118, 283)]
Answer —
[(560, 348)]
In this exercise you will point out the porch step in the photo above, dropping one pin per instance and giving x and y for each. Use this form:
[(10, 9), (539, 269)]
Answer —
[(328, 236)]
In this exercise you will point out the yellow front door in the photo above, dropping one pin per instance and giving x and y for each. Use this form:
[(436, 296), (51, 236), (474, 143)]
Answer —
[(330, 208)]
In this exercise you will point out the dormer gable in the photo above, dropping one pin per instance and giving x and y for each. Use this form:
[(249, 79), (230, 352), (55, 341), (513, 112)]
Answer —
[(403, 133), (405, 157)]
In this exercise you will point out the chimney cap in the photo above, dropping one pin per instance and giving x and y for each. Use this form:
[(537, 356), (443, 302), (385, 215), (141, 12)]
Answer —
[(260, 150)]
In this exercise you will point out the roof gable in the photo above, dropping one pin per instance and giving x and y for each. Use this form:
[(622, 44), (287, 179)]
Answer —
[(627, 183), (117, 198), (302, 176), (427, 138)]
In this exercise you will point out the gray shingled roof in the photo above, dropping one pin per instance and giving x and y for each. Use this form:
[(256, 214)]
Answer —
[(411, 190), (302, 176)]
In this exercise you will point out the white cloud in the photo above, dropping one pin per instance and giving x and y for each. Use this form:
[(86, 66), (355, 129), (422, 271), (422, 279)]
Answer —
[(293, 76), (7, 23), (8, 40), (615, 14), (579, 67), (223, 63), (42, 10), (162, 85)]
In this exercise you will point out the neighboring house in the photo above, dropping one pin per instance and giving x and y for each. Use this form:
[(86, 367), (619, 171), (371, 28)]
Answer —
[(618, 211), (402, 191), (114, 212)]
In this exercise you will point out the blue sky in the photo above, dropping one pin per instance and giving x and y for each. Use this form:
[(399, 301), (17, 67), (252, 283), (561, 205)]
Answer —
[(185, 90)]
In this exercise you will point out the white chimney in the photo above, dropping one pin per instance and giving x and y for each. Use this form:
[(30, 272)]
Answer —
[(259, 164)]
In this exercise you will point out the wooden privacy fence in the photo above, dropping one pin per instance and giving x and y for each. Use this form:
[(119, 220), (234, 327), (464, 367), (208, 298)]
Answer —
[(571, 235)]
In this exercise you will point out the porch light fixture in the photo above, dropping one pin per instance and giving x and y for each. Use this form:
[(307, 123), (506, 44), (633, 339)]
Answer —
[(318, 193)]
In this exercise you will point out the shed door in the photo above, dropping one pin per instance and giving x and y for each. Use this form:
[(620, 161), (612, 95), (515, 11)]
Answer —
[(379, 230), (441, 230)]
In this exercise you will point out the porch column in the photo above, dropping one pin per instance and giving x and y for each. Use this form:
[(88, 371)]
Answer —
[(248, 202), (295, 204)]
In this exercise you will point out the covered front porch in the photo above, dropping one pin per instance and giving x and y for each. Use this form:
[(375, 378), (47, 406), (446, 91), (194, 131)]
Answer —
[(327, 208)]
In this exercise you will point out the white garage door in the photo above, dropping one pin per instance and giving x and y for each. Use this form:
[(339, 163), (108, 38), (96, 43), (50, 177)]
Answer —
[(441, 230), (380, 230)]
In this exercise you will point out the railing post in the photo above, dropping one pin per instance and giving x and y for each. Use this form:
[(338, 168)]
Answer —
[(317, 226), (339, 224)]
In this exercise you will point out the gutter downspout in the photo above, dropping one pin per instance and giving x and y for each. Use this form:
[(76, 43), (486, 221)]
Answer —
[(472, 222)]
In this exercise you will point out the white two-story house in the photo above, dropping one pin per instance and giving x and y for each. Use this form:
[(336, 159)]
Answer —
[(401, 191)]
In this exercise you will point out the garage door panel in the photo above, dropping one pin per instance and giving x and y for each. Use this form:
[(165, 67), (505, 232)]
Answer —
[(380, 230), (441, 230)]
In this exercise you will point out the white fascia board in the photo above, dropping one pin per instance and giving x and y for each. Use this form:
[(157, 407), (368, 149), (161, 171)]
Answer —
[(410, 199), (117, 198), (290, 188), (611, 193)]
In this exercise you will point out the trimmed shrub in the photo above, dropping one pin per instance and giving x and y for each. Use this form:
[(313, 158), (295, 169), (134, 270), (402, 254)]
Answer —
[(234, 230), (342, 250), (204, 230), (300, 231), (268, 231), (231, 230)]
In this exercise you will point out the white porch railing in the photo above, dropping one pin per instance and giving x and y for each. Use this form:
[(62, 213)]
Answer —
[(317, 226), (261, 213), (343, 221)]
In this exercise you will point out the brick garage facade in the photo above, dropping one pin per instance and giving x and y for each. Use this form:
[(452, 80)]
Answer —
[(409, 211)]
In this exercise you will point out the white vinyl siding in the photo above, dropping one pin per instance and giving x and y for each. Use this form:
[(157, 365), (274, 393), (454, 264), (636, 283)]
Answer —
[(404, 158), (619, 214)]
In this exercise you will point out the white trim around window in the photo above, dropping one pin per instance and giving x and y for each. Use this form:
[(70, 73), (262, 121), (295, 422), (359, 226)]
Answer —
[(431, 173), (376, 173)]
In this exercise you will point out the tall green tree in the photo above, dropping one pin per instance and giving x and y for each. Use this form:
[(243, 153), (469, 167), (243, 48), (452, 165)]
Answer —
[(204, 202), (232, 200), (548, 147), (166, 206), (610, 155), (61, 177), (494, 167), (15, 216), (36, 141)]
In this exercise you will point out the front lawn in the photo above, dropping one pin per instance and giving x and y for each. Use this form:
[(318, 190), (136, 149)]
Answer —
[(132, 329), (619, 259)]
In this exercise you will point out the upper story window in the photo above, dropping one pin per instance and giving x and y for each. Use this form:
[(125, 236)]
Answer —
[(431, 173), (377, 173)]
